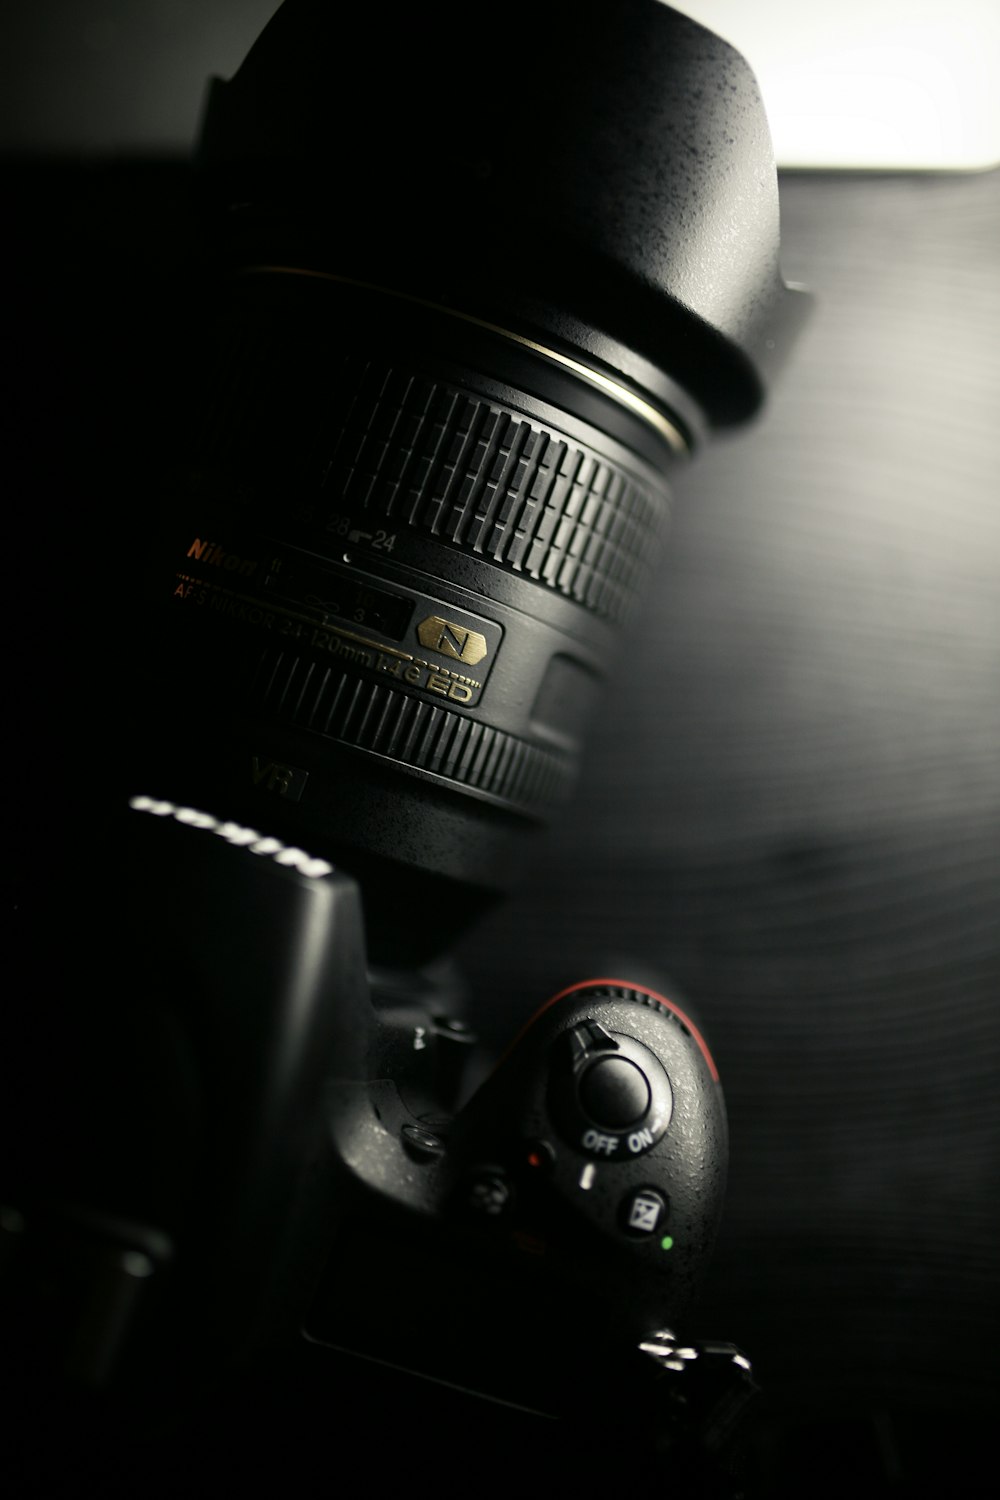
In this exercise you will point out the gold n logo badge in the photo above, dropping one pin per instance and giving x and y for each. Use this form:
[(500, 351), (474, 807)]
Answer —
[(452, 640)]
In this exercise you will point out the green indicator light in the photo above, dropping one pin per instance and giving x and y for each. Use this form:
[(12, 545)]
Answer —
[(667, 1242)]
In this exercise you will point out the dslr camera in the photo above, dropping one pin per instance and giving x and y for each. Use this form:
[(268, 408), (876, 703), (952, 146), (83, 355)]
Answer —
[(470, 290)]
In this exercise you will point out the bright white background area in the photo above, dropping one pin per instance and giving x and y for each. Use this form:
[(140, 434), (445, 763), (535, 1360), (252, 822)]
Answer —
[(850, 83), (871, 83)]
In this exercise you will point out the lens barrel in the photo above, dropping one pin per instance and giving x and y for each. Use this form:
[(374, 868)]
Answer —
[(456, 350)]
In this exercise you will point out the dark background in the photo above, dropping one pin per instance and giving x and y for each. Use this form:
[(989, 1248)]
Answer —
[(791, 802), (791, 810)]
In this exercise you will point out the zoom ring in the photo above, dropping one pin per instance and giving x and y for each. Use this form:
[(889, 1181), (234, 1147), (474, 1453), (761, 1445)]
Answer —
[(386, 721), (481, 478), (376, 445)]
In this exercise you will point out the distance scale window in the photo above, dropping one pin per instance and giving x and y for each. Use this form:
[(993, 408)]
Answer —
[(337, 596)]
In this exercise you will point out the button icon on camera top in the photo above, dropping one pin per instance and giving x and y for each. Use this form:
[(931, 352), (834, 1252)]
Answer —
[(642, 1212)]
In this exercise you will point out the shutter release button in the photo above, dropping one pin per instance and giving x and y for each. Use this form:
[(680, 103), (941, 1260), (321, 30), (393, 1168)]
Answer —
[(614, 1093)]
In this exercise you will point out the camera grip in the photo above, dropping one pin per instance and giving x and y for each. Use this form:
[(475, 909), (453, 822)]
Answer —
[(599, 1147)]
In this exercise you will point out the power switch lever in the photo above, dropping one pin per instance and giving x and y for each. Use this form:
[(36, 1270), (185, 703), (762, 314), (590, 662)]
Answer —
[(587, 1038)]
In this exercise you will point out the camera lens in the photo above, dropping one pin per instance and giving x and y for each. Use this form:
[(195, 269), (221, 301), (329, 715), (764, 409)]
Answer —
[(472, 300)]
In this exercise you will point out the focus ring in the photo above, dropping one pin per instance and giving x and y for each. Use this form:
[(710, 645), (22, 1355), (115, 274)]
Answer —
[(385, 720)]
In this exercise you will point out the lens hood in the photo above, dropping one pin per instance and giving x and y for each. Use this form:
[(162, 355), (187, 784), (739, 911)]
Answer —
[(600, 175)]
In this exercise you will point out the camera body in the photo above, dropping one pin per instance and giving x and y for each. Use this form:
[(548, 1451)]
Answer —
[(274, 1153)]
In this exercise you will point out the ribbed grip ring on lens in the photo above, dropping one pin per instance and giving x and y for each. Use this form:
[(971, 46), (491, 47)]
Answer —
[(423, 453), (381, 445), (386, 721)]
